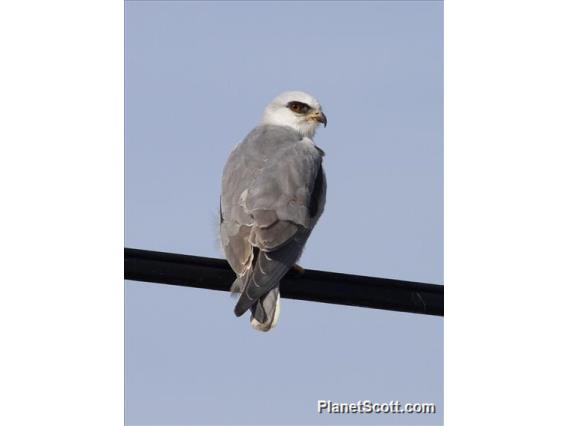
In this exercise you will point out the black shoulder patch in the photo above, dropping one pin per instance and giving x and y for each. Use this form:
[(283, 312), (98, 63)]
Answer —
[(316, 192)]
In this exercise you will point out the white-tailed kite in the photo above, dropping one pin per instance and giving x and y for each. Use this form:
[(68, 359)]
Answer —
[(273, 193)]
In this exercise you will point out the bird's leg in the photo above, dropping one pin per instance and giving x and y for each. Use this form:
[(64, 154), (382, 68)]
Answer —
[(297, 269)]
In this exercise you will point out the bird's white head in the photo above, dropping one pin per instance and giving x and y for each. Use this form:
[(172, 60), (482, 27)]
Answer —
[(295, 109)]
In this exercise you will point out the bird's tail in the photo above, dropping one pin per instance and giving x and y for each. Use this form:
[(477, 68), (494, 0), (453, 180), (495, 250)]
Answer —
[(267, 308), (259, 285)]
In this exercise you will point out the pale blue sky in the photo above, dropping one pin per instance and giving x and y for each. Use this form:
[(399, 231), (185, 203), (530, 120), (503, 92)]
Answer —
[(197, 78)]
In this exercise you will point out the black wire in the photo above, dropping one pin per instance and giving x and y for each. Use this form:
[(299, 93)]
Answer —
[(311, 285)]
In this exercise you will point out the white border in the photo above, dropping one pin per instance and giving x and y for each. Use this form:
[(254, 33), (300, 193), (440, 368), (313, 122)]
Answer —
[(61, 172), (506, 183)]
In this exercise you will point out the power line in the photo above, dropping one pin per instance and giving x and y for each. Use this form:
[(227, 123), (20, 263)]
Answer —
[(311, 285)]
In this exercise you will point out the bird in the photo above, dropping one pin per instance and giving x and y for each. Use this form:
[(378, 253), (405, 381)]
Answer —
[(272, 195)]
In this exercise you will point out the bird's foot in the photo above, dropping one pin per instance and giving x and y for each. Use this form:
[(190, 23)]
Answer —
[(298, 269)]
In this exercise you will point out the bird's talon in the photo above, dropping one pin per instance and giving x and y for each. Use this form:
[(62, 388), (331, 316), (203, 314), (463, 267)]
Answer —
[(298, 269)]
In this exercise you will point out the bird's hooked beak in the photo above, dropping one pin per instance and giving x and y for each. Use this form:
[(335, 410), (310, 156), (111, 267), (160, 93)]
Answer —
[(320, 117)]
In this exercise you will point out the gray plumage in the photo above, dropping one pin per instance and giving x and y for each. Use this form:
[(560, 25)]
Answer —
[(273, 193)]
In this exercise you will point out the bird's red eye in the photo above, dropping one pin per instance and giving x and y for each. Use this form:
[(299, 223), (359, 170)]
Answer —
[(299, 107)]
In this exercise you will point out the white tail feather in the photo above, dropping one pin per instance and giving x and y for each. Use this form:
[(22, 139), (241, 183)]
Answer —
[(272, 320)]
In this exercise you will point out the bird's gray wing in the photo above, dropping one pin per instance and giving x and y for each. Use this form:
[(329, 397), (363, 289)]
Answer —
[(266, 273), (268, 201), (245, 162)]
